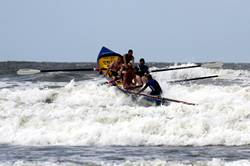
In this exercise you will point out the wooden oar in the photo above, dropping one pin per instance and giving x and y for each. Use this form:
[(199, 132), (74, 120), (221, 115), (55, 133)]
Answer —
[(206, 65), (192, 79), (175, 81), (36, 71), (166, 99), (177, 101)]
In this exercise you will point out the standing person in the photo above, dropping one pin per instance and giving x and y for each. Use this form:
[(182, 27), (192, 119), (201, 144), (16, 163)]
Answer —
[(128, 58), (141, 71), (126, 70), (153, 85)]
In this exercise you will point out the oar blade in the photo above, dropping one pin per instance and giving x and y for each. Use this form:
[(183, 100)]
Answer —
[(35, 71), (212, 65), (27, 71)]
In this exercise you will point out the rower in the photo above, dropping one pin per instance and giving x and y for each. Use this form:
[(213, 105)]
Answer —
[(128, 58), (141, 71), (153, 85), (126, 72)]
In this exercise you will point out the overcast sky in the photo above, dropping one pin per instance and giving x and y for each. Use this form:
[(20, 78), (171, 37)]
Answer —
[(158, 30)]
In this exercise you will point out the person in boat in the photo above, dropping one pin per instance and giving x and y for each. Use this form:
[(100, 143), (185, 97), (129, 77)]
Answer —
[(128, 72), (128, 58), (153, 85), (141, 71), (128, 77), (114, 68), (126, 69)]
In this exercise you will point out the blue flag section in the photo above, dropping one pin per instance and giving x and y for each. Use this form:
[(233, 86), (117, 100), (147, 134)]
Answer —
[(106, 52)]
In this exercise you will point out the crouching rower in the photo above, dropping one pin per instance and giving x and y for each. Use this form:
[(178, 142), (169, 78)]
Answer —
[(153, 85)]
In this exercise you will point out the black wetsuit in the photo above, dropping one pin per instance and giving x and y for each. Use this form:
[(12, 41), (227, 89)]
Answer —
[(141, 70), (155, 87)]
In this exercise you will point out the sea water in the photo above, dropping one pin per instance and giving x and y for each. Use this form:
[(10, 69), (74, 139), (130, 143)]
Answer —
[(70, 118)]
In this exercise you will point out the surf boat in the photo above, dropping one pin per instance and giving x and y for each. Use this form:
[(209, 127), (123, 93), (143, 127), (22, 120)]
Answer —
[(104, 60)]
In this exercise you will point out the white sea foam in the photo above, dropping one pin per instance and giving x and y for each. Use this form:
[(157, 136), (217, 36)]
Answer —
[(225, 74), (85, 113)]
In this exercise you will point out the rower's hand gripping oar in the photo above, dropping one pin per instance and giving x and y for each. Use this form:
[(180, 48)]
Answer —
[(36, 71), (211, 65)]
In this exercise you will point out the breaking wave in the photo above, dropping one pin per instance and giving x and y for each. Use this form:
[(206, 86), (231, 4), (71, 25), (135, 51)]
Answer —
[(86, 113)]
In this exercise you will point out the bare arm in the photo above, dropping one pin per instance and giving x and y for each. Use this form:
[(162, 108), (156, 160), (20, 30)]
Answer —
[(145, 87), (133, 61), (124, 59), (109, 68)]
